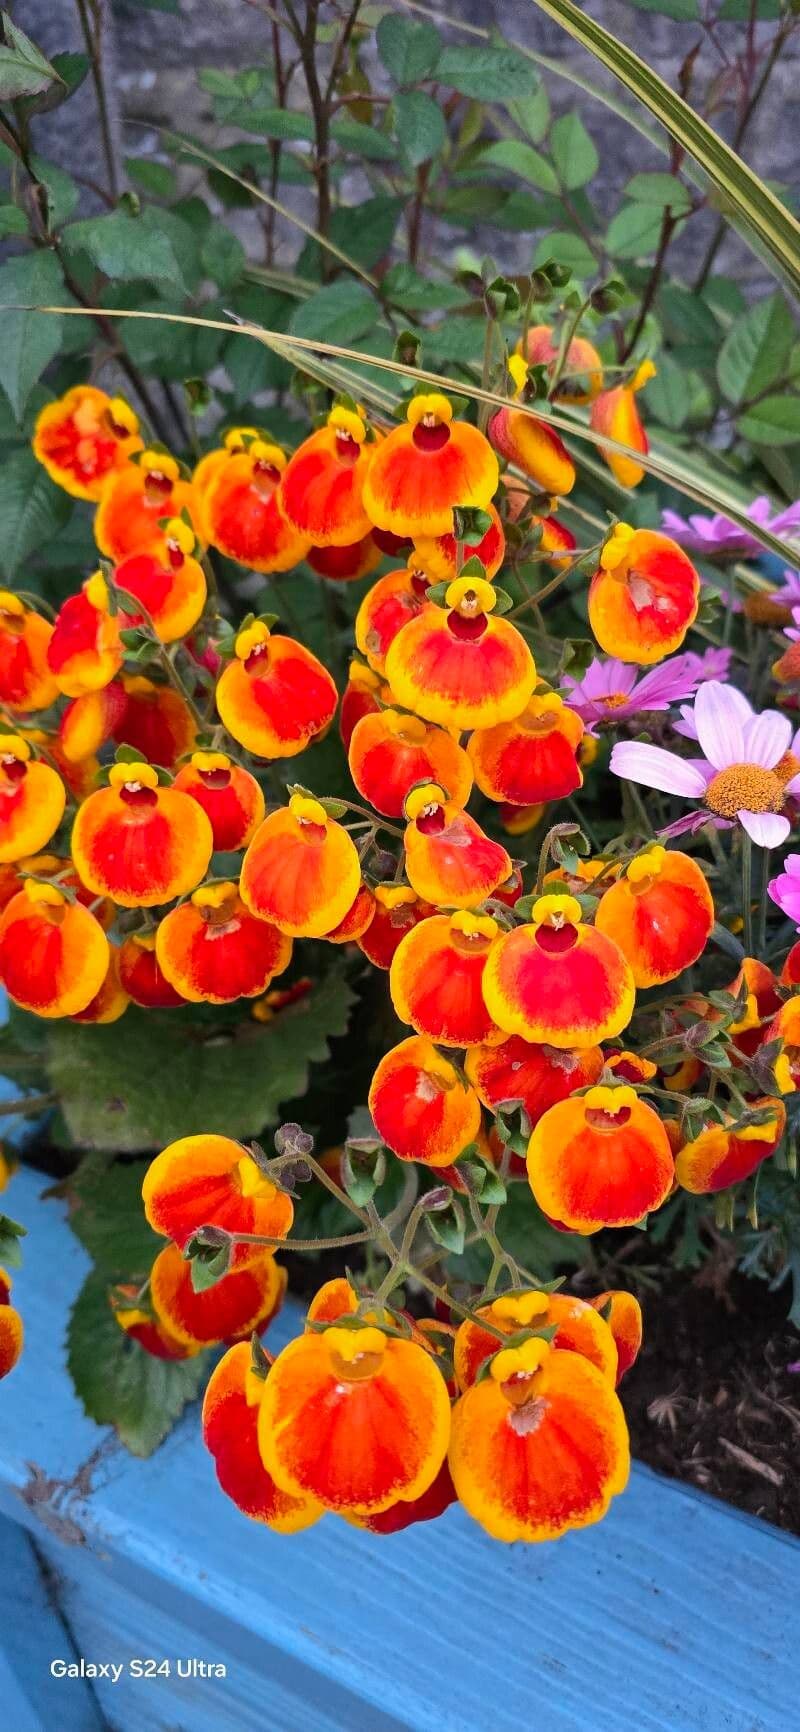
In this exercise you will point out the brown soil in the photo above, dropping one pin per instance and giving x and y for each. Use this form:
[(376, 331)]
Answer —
[(714, 1399)]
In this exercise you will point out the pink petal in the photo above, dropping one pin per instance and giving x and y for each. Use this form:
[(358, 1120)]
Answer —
[(767, 829), (719, 718), (656, 768), (793, 787), (766, 738)]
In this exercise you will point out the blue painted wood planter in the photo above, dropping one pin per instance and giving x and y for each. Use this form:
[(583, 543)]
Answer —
[(674, 1615)]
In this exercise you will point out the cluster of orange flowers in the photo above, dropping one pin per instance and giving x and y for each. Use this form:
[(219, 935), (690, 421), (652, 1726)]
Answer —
[(443, 694)]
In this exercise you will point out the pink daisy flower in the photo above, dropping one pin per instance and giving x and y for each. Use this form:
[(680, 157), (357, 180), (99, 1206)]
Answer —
[(611, 691), (745, 775), (785, 888), (718, 538)]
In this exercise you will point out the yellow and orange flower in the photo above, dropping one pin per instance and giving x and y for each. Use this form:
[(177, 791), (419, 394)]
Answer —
[(529, 442), (346, 564), (12, 1332), (111, 1001), (558, 980), (135, 499), (459, 665), (211, 1181), (616, 413), (32, 800), (53, 953), (134, 1314), (539, 1445), (321, 489), (83, 438), (355, 1419), (439, 555), (391, 751), (26, 682), (785, 1027), (230, 1433), (450, 861), (354, 923), (537, 1076), (420, 1106), (723, 1155), (334, 1299), (790, 972), (244, 1300), (422, 470), (624, 1317), (275, 696), (643, 597), (397, 910), (234, 442), (301, 870), (167, 580), (533, 758), (84, 652), (602, 1159), (156, 721), (582, 375), (230, 797), (389, 605), (579, 1329), (213, 950), (436, 977), (242, 512), (139, 843), (141, 976), (359, 698), (660, 912), (762, 1001)]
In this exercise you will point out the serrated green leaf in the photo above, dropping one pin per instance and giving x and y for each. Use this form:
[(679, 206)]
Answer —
[(663, 190), (756, 349), (24, 71), (634, 232), (574, 151), (28, 340), (521, 159), (154, 1077), (773, 421), (32, 510), (127, 248), (343, 312), (420, 127), (486, 73), (107, 1214), (117, 1382), (409, 50)]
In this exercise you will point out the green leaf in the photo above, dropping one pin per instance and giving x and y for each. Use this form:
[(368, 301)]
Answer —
[(634, 232), (343, 312), (773, 421), (125, 247), (156, 177), (532, 113), (420, 126), (157, 1076), (107, 1215), (10, 1234), (668, 395), (663, 190), (409, 50), (24, 71), (768, 225), (521, 159), (740, 9), (566, 249), (419, 294), (13, 221), (756, 349), (32, 510), (362, 140), (28, 340), (62, 190), (486, 73), (117, 1382), (684, 11), (365, 231), (574, 152), (223, 256)]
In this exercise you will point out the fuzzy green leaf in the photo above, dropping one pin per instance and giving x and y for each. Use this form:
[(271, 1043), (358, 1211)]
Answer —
[(28, 340), (409, 50), (117, 1382), (32, 510), (574, 151), (420, 126), (756, 349)]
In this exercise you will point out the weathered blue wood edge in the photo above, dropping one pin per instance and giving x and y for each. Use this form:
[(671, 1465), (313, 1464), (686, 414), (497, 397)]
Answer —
[(676, 1614)]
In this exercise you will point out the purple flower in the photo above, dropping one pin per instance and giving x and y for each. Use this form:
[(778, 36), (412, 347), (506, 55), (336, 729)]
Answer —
[(713, 664), (611, 691), (718, 538), (785, 888), (735, 779)]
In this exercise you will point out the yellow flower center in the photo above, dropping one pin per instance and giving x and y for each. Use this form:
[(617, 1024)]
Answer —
[(122, 418), (645, 371), (520, 1362), (519, 1309), (263, 451), (470, 596), (208, 761), (356, 1354), (518, 373), (252, 638), (744, 787), (429, 409), (307, 810), (409, 728), (48, 895), (11, 604), (180, 535), (160, 466), (475, 928), (348, 423), (216, 899), (134, 776), (238, 438), (13, 749), (423, 802), (645, 868), (392, 896), (614, 700), (556, 911), (359, 674)]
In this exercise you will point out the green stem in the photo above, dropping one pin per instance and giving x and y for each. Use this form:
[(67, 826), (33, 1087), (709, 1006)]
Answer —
[(747, 892)]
